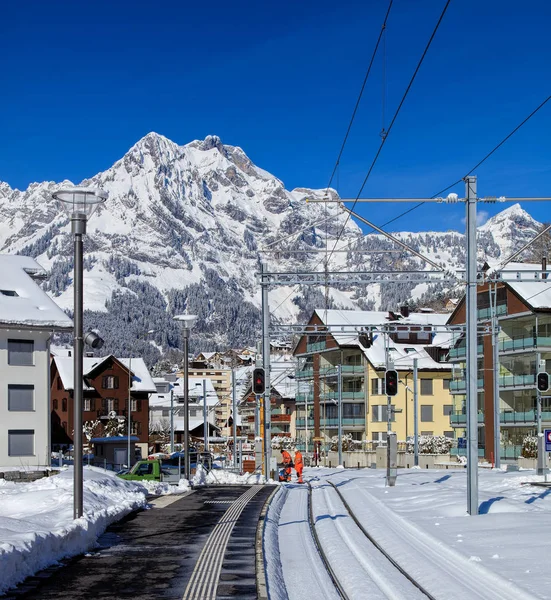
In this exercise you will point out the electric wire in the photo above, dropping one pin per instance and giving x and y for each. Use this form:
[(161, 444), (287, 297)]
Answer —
[(396, 113), (478, 164)]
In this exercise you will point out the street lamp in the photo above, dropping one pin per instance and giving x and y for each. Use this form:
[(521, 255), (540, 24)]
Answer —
[(129, 427), (188, 321), (79, 203)]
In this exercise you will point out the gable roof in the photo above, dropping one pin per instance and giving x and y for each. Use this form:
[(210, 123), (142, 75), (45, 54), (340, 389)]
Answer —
[(141, 379), (402, 354), (27, 304)]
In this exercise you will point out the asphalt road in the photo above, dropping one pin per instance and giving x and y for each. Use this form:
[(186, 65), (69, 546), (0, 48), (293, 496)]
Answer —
[(152, 553)]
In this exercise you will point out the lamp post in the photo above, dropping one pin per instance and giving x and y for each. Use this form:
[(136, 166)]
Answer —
[(140, 336), (80, 204), (188, 321)]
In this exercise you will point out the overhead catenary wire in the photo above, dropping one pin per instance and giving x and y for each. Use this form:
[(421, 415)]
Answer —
[(393, 120), (478, 164)]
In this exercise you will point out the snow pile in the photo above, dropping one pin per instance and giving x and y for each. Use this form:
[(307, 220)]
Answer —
[(159, 488), (37, 527), (220, 476)]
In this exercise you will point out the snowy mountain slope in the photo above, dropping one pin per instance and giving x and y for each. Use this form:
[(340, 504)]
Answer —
[(183, 227)]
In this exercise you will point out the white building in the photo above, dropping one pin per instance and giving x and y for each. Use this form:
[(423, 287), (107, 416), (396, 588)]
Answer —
[(28, 317)]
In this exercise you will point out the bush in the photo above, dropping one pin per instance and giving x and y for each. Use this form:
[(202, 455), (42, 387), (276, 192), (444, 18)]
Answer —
[(529, 447), (431, 444)]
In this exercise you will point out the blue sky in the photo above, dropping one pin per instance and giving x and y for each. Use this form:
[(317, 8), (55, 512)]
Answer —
[(83, 81)]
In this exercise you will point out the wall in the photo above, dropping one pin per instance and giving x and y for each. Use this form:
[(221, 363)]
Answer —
[(39, 419), (366, 459)]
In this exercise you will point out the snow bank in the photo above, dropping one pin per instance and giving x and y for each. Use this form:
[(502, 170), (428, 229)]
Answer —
[(37, 528), (275, 580), (219, 476), (157, 488)]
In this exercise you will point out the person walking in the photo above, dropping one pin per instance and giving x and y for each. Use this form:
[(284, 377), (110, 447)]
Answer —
[(299, 465), (287, 463)]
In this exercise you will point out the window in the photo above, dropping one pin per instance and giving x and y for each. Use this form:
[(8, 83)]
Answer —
[(55, 403), (12, 293), (21, 442), (379, 413), (352, 410), (448, 434), (87, 405), (331, 411), (426, 412), (376, 386), (448, 409), (110, 382), (426, 432), (165, 412), (446, 383), (192, 412), (110, 404), (135, 405), (21, 397), (426, 387), (21, 353), (64, 405), (135, 428)]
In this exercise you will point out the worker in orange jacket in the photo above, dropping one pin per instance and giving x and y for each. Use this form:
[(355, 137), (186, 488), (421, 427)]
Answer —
[(299, 465), (287, 462)]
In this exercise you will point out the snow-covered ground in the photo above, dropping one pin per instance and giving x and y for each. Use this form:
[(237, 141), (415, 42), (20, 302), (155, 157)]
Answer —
[(37, 528), (422, 523)]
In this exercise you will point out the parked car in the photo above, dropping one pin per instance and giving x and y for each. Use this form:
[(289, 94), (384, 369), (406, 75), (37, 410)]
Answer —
[(151, 470)]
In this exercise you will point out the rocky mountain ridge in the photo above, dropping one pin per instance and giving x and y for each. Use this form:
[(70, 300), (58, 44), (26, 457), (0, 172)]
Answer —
[(184, 228)]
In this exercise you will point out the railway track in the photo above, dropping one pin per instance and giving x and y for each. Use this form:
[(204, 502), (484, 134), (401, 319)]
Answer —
[(357, 565)]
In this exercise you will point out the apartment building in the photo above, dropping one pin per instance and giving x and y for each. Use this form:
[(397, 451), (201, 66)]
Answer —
[(28, 317), (523, 309), (363, 359)]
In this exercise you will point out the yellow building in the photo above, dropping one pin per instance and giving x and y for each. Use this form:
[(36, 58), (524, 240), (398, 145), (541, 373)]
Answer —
[(363, 359)]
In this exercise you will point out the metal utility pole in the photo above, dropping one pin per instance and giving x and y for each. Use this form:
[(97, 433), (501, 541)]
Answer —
[(187, 466), (495, 360), (79, 228), (171, 418), (234, 417), (472, 370), (129, 427), (339, 375), (266, 362), (415, 414), (541, 442), (205, 419)]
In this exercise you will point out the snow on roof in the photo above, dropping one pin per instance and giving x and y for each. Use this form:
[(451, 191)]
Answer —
[(401, 354), (282, 375), (195, 391), (22, 301), (141, 379)]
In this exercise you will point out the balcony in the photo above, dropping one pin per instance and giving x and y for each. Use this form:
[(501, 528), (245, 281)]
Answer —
[(486, 313), (461, 351), (331, 370), (334, 396), (510, 417), (459, 419), (524, 343), (333, 423), (305, 374), (517, 380), (459, 385), (279, 418), (315, 347)]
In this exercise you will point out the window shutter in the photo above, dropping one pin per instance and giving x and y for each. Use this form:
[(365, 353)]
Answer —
[(139, 405), (116, 405), (104, 403), (104, 382), (92, 404), (116, 382)]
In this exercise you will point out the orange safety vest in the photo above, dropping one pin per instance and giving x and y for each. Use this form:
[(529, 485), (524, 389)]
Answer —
[(298, 458), (286, 457)]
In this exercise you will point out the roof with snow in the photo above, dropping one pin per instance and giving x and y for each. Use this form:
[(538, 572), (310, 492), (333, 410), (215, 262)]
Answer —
[(195, 393), (536, 292), (22, 301), (141, 379), (402, 355)]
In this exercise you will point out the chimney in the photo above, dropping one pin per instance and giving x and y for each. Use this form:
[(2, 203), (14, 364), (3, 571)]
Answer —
[(544, 267), (404, 309)]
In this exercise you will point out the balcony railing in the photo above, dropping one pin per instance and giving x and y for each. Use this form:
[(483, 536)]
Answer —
[(529, 416), (279, 418), (460, 418), (315, 347), (461, 351), (517, 380), (360, 395), (331, 370), (460, 384), (486, 313), (528, 342), (346, 422)]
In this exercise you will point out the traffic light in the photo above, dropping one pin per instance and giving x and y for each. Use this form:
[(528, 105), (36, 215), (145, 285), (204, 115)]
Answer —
[(391, 382), (543, 381), (259, 384)]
